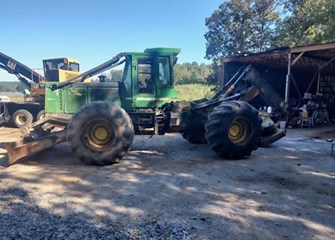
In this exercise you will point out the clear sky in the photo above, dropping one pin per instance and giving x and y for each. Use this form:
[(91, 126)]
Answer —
[(94, 31)]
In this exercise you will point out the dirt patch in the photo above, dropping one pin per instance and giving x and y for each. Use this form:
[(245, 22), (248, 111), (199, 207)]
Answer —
[(167, 188)]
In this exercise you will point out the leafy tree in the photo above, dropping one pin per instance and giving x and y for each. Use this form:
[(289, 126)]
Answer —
[(308, 22), (214, 77), (241, 26), (116, 75), (191, 73)]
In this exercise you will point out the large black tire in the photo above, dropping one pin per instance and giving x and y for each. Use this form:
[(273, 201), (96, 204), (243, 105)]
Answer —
[(233, 129), (100, 133), (195, 132), (21, 118), (194, 136), (40, 115), (272, 129)]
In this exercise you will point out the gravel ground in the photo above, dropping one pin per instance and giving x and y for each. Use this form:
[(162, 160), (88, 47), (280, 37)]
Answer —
[(167, 188)]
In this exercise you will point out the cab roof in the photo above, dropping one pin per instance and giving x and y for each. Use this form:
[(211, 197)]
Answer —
[(72, 60), (157, 51)]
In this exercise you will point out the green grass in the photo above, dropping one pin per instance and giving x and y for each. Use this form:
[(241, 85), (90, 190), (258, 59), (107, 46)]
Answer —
[(190, 92)]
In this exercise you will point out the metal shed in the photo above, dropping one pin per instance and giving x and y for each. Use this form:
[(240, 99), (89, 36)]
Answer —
[(294, 72)]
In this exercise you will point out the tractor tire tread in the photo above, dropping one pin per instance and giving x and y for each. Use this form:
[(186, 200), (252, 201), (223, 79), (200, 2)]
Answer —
[(117, 117), (28, 116), (217, 127)]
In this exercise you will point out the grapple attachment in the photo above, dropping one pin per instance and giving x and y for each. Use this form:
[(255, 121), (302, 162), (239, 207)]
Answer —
[(271, 132)]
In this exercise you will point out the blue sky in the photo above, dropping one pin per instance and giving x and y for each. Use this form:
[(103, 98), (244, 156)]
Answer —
[(95, 31)]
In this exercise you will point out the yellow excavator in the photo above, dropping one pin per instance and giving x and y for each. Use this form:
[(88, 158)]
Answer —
[(21, 114)]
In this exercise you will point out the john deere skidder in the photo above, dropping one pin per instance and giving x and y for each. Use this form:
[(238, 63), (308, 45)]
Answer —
[(99, 119)]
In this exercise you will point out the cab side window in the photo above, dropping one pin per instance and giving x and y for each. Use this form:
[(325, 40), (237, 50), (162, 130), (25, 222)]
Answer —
[(164, 71), (74, 67)]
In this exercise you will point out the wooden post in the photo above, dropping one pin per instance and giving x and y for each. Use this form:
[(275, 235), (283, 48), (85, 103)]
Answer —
[(288, 78), (222, 76)]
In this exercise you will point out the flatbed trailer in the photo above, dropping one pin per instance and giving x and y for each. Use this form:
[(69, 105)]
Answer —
[(19, 113)]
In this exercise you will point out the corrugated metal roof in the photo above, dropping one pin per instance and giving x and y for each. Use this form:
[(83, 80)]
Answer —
[(307, 58)]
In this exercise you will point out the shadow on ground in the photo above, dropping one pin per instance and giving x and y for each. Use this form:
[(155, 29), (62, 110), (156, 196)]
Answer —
[(169, 189)]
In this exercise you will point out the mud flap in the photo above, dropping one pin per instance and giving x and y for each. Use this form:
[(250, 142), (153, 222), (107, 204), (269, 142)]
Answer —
[(272, 138)]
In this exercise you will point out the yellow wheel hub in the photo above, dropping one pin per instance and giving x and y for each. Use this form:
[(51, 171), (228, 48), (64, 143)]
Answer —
[(238, 131), (234, 130), (100, 133)]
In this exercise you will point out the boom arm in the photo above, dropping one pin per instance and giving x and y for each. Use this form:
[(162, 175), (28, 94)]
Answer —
[(21, 71), (245, 85), (265, 90), (115, 61)]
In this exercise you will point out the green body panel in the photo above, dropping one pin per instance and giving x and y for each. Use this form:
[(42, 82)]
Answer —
[(69, 100), (166, 94), (74, 98), (53, 99), (155, 64)]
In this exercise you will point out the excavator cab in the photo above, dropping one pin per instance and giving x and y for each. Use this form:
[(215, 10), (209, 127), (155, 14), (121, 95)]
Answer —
[(60, 69)]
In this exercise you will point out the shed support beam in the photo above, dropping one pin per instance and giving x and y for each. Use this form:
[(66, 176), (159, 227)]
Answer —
[(222, 77), (327, 63), (296, 85), (310, 85), (318, 85), (297, 58)]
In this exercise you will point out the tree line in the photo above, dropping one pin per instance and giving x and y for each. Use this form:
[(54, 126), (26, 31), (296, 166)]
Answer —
[(184, 73), (10, 86)]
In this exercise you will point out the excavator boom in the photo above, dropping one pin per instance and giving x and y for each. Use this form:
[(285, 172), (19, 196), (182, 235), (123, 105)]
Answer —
[(22, 71), (113, 62)]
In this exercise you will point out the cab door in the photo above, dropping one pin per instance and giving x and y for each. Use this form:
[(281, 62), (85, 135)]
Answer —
[(144, 84), (165, 85)]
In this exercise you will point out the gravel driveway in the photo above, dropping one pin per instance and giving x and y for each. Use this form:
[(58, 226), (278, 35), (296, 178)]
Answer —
[(167, 188)]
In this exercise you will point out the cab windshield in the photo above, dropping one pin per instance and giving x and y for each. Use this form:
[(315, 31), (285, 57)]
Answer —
[(56, 64)]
